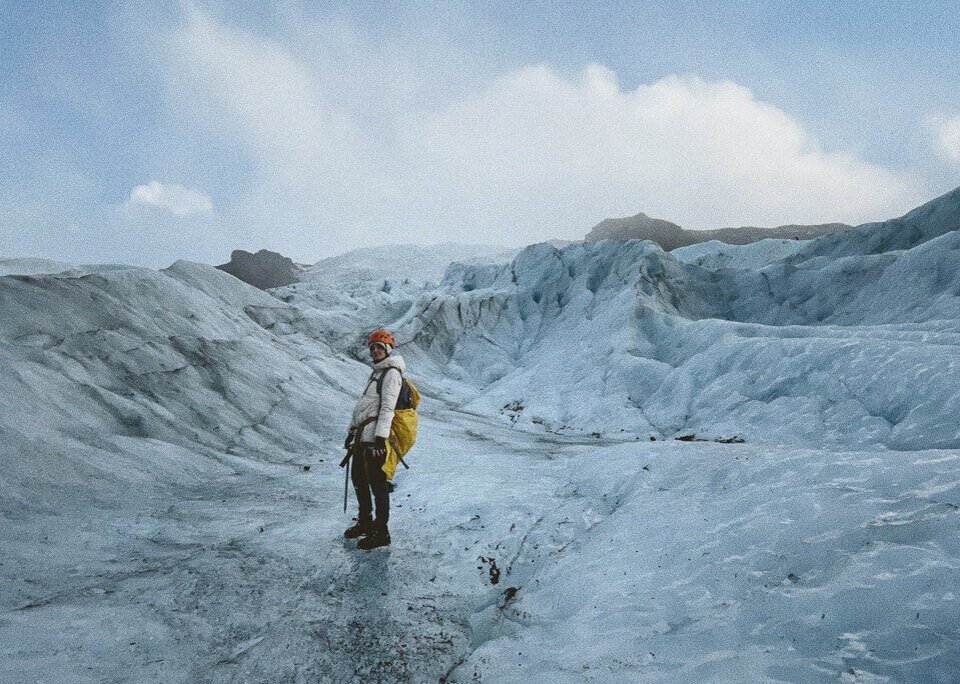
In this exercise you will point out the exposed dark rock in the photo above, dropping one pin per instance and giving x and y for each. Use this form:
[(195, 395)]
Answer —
[(493, 570), (639, 227), (265, 269), (671, 236)]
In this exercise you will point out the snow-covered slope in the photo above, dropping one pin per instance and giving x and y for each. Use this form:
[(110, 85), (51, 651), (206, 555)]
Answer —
[(930, 220), (130, 359), (714, 254), (29, 266), (371, 287), (26, 266), (720, 563), (837, 344), (397, 264), (159, 522)]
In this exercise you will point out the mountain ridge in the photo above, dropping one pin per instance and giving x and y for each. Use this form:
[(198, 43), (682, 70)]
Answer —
[(670, 236)]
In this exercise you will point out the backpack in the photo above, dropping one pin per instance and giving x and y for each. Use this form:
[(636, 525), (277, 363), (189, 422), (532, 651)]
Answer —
[(403, 429)]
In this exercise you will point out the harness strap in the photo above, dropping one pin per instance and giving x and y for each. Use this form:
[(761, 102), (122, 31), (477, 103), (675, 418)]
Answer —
[(358, 429), (364, 423), (383, 375), (380, 392)]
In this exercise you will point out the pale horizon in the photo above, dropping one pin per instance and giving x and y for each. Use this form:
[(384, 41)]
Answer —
[(188, 129)]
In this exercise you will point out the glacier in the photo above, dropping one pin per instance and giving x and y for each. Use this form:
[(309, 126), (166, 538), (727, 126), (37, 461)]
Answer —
[(171, 504)]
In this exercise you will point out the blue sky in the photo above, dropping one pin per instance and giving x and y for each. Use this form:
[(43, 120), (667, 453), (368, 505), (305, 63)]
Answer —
[(146, 132)]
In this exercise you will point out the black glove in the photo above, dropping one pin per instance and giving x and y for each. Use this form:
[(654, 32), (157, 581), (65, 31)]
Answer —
[(379, 449), (348, 441)]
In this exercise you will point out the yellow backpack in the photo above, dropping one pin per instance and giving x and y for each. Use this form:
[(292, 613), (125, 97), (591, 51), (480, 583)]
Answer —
[(403, 429)]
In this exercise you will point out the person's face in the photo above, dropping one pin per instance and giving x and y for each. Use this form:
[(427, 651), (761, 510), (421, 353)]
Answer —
[(377, 353)]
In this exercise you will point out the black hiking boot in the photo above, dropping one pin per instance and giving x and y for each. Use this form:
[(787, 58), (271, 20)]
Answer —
[(379, 537), (362, 527)]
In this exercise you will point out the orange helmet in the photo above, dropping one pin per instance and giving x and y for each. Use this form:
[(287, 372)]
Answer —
[(381, 336)]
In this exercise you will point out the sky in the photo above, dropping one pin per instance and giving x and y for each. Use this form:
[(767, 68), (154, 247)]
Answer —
[(145, 132)]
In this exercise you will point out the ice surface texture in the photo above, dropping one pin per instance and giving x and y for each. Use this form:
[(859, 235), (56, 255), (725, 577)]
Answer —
[(158, 522), (850, 339)]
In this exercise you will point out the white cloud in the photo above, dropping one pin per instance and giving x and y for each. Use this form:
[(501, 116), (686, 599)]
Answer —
[(948, 138), (704, 154), (359, 142), (177, 199)]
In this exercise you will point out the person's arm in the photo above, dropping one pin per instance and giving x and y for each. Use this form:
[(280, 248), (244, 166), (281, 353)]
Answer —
[(389, 394), (352, 432)]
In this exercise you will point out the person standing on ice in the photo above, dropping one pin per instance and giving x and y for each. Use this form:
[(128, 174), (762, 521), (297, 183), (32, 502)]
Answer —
[(369, 432)]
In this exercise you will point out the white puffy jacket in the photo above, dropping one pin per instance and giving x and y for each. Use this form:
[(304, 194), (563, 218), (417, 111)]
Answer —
[(371, 404)]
